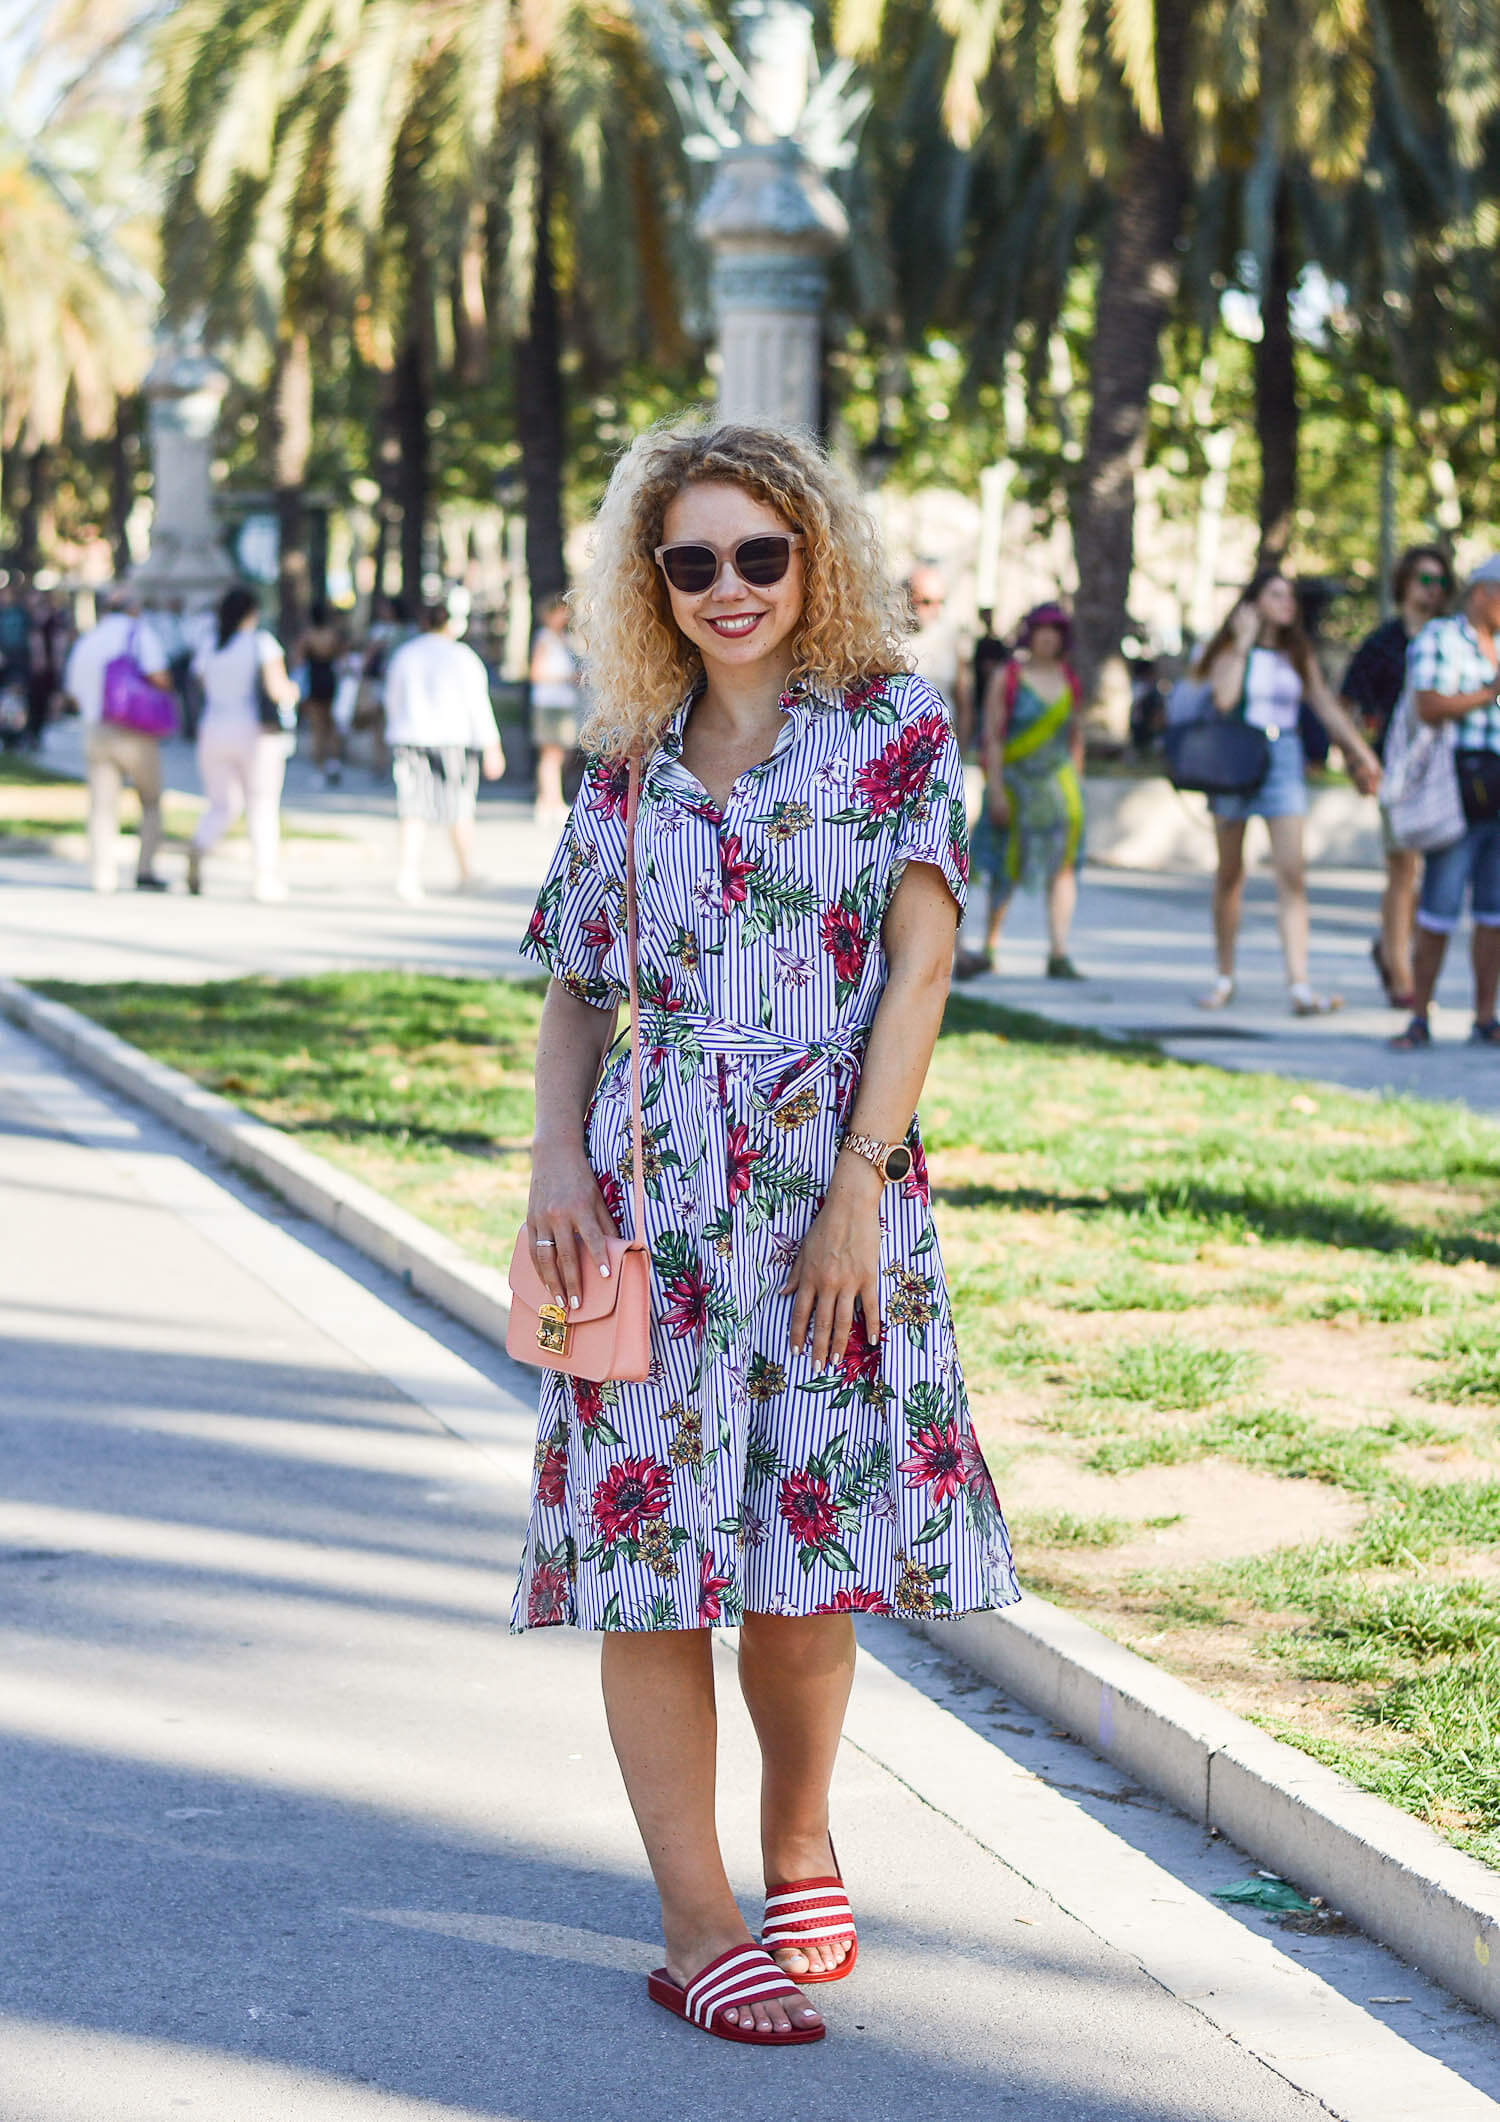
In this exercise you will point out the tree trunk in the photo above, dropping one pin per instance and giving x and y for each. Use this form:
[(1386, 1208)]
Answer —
[(33, 519), (540, 405), (1276, 415), (291, 447), (1137, 286), (410, 396), (121, 483)]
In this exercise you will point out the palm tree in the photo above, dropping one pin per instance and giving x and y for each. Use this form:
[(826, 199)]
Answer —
[(425, 162)]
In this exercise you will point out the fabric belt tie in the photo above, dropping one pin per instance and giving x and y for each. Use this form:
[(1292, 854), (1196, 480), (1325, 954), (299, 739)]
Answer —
[(776, 1068)]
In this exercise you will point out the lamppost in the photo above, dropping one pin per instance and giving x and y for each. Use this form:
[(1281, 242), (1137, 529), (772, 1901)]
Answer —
[(773, 124)]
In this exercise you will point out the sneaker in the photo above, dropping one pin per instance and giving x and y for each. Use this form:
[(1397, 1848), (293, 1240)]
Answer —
[(409, 890), (332, 776), (1061, 967), (269, 891), (1485, 1034), (969, 964), (146, 882)]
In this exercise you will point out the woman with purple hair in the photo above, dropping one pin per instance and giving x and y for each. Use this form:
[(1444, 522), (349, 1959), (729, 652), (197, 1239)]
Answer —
[(1030, 830)]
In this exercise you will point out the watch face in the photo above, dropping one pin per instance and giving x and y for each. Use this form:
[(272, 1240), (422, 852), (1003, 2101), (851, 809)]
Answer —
[(897, 1162)]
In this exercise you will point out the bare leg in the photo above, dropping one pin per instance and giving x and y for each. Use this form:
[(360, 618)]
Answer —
[(461, 832), (1486, 971), (659, 1699), (795, 1676), (1427, 962), (549, 788), (999, 908), (104, 820), (1291, 896), (1229, 892), (409, 833), (1398, 907), (1062, 899)]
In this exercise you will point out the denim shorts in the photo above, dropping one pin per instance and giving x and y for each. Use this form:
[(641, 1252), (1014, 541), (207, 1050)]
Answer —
[(1283, 793), (1472, 863)]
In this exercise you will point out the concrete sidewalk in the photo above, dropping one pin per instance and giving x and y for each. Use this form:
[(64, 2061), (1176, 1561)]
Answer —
[(291, 1827)]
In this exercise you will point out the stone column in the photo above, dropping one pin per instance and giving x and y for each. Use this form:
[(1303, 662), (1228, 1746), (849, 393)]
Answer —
[(184, 389), (772, 224)]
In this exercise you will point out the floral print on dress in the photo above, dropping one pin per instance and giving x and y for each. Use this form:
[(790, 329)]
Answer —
[(737, 1478)]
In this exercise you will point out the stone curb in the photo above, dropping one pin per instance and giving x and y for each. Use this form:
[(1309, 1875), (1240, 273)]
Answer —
[(426, 1261), (1390, 1874)]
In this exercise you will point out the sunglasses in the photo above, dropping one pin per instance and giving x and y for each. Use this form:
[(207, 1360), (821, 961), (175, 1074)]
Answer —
[(1429, 580), (758, 561)]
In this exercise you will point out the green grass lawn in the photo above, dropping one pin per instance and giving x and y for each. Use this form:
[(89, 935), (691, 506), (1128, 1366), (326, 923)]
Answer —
[(1233, 1341)]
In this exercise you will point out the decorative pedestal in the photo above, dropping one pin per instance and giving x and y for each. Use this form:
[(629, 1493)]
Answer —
[(772, 224), (184, 390)]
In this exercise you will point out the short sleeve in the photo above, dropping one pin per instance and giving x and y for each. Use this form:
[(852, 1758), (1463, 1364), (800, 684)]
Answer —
[(1425, 659), (267, 648), (577, 929), (934, 817)]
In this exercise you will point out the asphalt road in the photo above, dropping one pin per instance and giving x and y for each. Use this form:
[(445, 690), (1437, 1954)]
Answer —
[(290, 1827)]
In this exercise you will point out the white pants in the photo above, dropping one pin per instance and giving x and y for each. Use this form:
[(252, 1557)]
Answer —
[(242, 770)]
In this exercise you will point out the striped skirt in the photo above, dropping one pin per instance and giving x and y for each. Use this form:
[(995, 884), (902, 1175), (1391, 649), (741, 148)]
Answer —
[(438, 785)]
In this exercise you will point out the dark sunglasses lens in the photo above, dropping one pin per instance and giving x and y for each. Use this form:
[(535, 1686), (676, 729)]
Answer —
[(1428, 580), (693, 568), (762, 561)]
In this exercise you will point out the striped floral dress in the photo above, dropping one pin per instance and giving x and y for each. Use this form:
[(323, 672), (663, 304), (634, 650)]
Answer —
[(738, 1477)]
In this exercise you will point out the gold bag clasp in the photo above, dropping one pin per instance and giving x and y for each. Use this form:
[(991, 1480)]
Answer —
[(552, 1329)]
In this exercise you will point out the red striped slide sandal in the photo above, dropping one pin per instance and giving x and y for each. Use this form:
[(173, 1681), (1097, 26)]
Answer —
[(746, 1974), (811, 1912)]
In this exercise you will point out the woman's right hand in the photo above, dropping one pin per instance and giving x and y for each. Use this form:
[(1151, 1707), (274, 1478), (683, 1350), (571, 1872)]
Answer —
[(1244, 627), (566, 1206)]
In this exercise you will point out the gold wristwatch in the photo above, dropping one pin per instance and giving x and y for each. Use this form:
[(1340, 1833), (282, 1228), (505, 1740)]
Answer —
[(891, 1159)]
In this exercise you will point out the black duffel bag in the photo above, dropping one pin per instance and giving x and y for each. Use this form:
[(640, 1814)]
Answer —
[(1221, 755)]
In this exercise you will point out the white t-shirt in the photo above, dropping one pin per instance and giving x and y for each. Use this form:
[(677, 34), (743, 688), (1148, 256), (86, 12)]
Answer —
[(1273, 690), (437, 694), (555, 680), (228, 675), (117, 634)]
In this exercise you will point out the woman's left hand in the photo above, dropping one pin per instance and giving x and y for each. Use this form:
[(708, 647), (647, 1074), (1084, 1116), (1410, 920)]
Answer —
[(492, 762), (839, 1264), (1364, 771)]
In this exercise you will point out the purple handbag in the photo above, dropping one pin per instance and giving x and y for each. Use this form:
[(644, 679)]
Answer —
[(131, 701)]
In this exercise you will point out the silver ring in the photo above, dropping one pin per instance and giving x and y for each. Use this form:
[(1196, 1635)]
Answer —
[(540, 1242)]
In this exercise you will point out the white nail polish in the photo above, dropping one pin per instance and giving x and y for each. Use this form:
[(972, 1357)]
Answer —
[(604, 1270), (575, 1304)]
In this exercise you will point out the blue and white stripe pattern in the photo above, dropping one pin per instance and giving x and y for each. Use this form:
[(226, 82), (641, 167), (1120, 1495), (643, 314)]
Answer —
[(738, 1478)]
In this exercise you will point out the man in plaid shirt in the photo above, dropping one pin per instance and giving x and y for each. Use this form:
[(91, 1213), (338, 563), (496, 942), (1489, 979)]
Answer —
[(1452, 675)]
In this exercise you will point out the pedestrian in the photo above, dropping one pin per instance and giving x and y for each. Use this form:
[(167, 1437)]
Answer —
[(440, 726), (15, 663), (114, 753), (244, 740), (801, 1450), (1421, 589), (554, 709), (47, 635), (1030, 829), (1261, 666), (1452, 679), (319, 651), (938, 651)]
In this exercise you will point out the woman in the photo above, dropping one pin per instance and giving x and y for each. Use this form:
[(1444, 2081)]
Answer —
[(1031, 827), (243, 748), (554, 709), (1421, 589), (802, 1450), (322, 646), (1261, 665)]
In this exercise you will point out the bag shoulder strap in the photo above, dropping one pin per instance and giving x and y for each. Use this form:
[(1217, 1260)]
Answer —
[(632, 938)]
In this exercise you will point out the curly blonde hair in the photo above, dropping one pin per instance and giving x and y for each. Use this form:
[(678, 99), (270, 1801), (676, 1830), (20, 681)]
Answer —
[(640, 667)]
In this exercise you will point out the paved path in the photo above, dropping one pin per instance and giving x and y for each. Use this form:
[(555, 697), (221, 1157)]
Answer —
[(291, 1828), (1142, 939)]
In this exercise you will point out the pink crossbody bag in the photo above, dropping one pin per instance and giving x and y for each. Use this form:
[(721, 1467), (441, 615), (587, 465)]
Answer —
[(609, 1336)]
